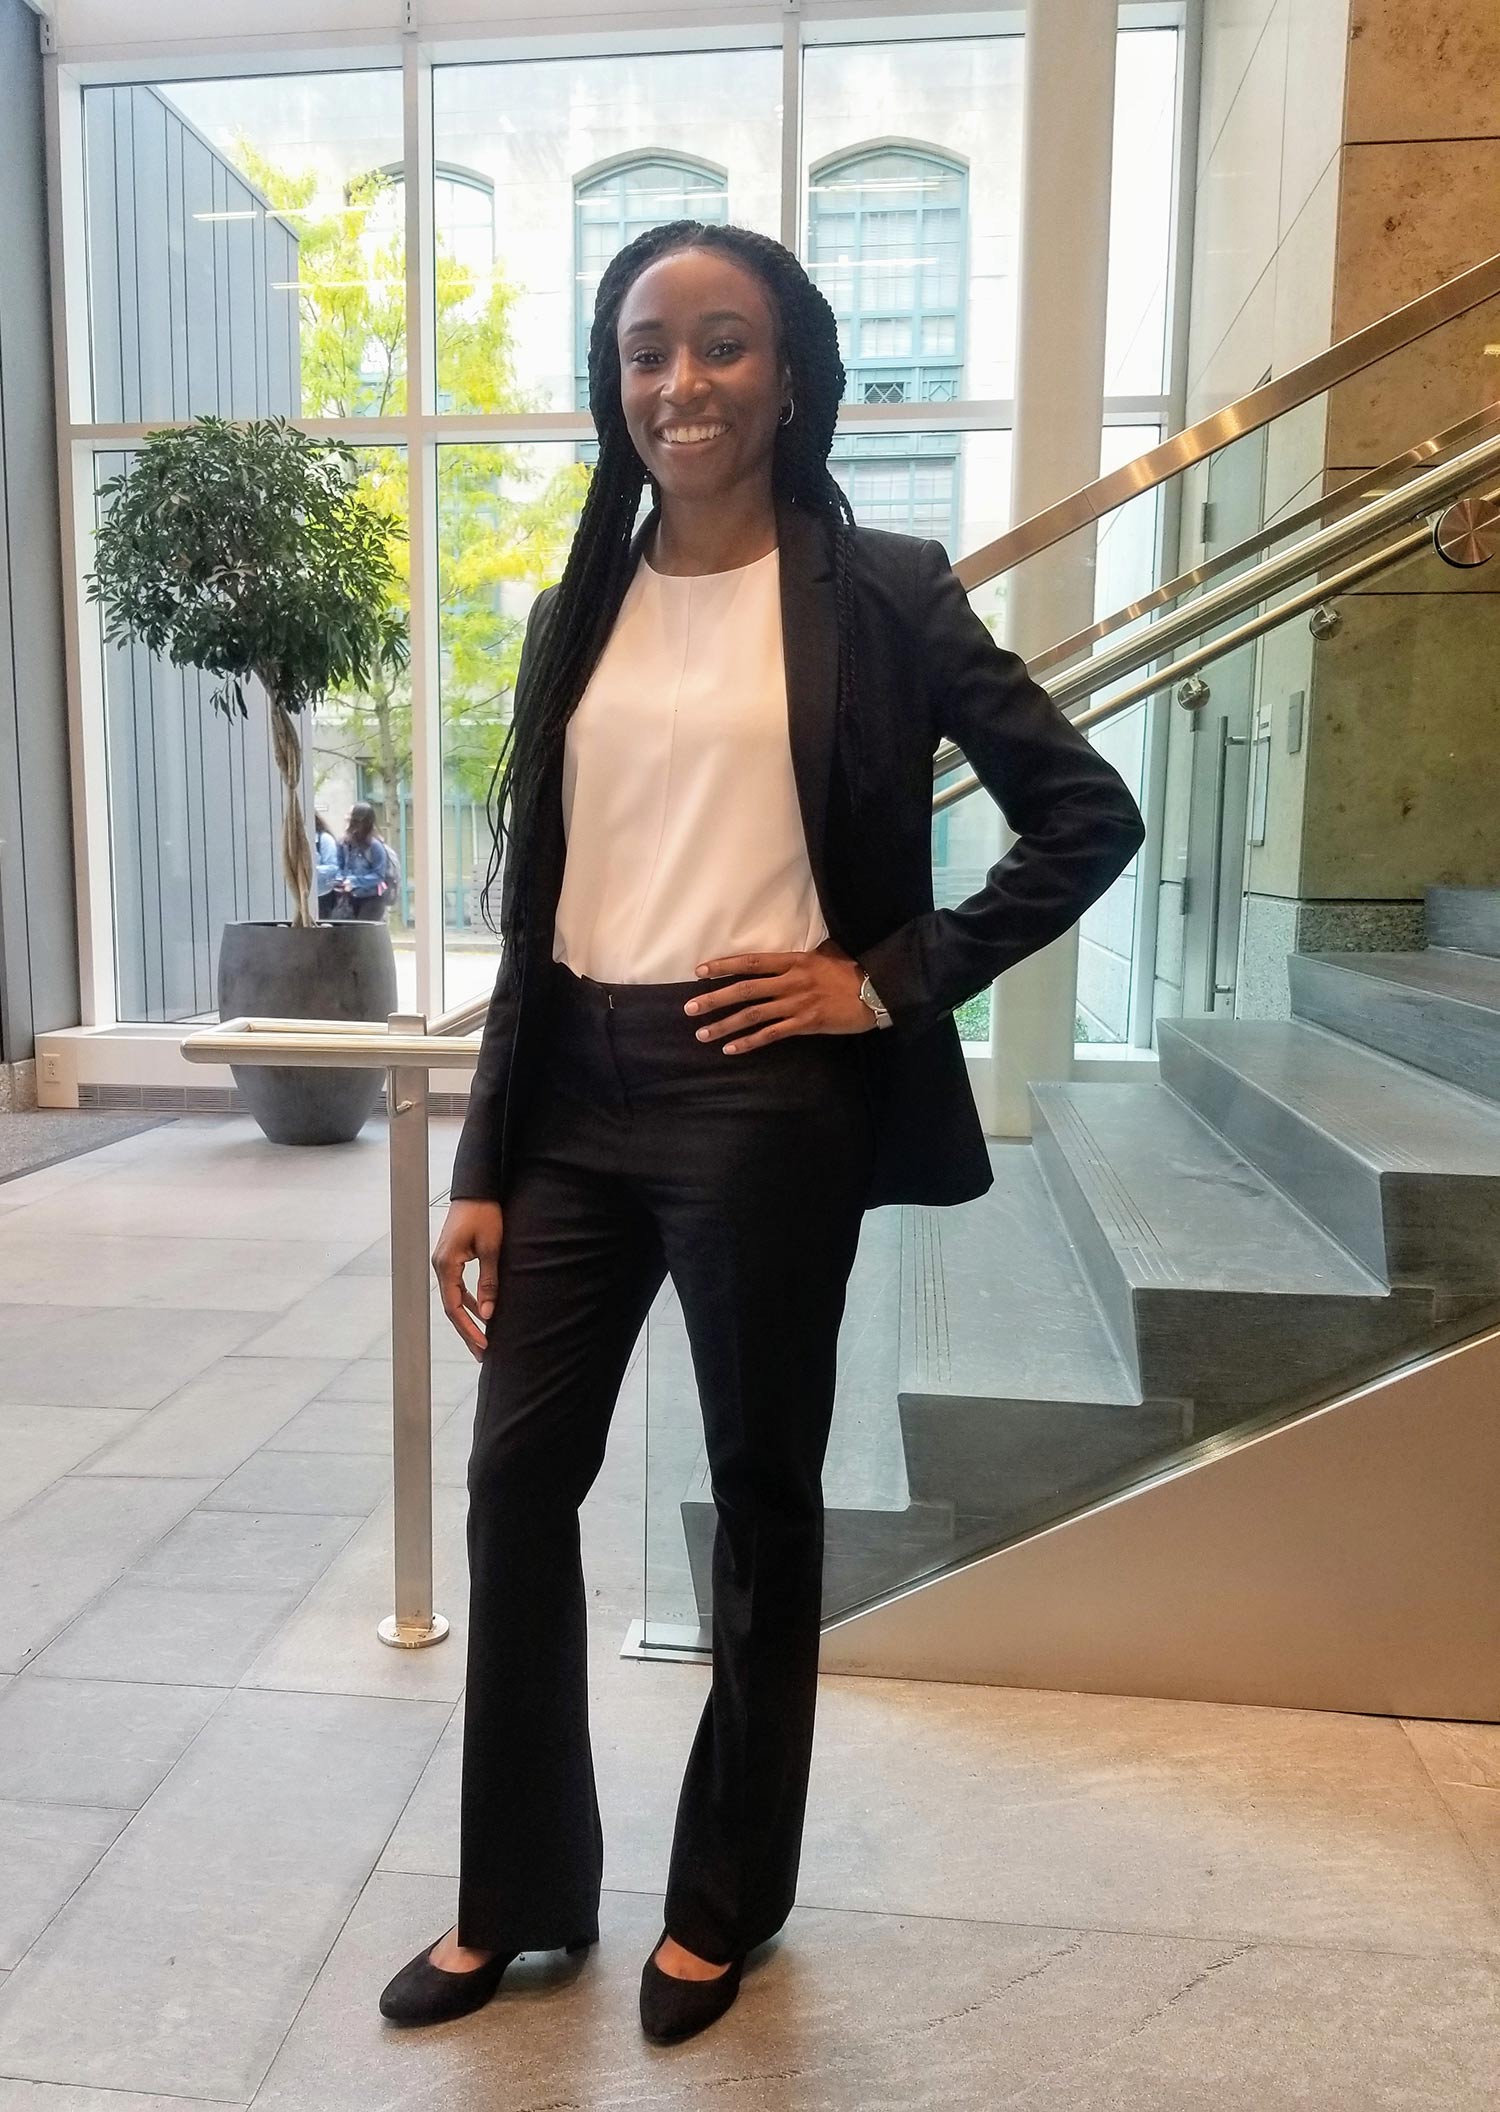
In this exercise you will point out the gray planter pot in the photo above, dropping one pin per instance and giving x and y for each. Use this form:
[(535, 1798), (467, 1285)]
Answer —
[(328, 971)]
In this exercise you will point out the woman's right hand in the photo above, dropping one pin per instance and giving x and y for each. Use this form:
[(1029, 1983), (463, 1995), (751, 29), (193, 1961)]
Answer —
[(471, 1231)]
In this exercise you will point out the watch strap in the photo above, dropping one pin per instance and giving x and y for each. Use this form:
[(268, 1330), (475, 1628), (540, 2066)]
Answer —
[(871, 997)]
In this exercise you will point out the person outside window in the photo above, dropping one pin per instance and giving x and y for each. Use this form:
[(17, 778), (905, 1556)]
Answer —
[(366, 867), (326, 866)]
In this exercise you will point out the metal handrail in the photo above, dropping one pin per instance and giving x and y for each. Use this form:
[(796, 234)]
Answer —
[(1358, 490), (1311, 597), (461, 1018), (406, 1049), (334, 1044), (1227, 642), (1422, 496), (1350, 356)]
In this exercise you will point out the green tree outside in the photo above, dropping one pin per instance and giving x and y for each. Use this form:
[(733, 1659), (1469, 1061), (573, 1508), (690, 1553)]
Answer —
[(501, 518)]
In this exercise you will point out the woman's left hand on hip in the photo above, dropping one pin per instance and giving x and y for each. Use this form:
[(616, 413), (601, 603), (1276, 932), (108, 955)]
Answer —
[(784, 993)]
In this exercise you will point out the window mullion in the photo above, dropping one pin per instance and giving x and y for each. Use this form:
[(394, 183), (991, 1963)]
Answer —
[(421, 490)]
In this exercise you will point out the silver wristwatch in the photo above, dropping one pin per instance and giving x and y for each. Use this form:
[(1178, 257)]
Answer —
[(868, 997)]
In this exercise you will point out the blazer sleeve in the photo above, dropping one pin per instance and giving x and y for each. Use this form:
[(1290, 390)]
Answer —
[(476, 1163), (1076, 824)]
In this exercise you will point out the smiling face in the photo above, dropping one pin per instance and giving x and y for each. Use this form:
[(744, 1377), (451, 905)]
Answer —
[(701, 380)]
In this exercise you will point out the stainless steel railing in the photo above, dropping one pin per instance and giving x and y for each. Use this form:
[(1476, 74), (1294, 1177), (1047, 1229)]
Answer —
[(1472, 471), (1392, 332), (1355, 491), (407, 1050), (462, 1019)]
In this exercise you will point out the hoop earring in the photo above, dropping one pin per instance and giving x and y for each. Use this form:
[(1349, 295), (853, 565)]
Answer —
[(791, 406)]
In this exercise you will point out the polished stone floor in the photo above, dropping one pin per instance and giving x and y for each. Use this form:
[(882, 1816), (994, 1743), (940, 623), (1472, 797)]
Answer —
[(227, 1813)]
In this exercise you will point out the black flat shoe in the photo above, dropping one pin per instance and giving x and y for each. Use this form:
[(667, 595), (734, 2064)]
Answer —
[(675, 2009), (424, 1993)]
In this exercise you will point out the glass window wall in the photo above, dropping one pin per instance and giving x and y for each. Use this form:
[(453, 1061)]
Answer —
[(246, 255), (1140, 218)]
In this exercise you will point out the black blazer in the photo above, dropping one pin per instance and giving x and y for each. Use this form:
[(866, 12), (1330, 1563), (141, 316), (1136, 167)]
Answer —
[(926, 669)]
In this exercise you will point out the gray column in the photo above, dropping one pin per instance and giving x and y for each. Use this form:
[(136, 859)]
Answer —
[(38, 936), (1067, 144)]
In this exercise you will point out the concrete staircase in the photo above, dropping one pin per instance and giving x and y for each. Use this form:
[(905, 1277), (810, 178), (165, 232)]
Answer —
[(1299, 1205)]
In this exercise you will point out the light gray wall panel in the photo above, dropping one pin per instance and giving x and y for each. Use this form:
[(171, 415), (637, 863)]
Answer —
[(188, 313), (38, 937)]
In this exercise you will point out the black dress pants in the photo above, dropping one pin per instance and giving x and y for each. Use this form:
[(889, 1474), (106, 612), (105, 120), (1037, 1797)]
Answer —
[(643, 1152)]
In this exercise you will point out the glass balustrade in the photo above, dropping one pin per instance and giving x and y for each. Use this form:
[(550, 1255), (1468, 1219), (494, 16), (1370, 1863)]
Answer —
[(1167, 1266)]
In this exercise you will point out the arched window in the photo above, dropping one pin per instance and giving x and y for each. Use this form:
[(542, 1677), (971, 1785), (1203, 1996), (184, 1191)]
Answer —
[(463, 216), (886, 243), (610, 209), (463, 213)]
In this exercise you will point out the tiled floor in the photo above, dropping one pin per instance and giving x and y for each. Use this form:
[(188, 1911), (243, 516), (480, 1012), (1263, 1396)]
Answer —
[(227, 1813)]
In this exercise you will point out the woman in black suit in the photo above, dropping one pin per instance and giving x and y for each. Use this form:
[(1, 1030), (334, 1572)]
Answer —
[(728, 1123)]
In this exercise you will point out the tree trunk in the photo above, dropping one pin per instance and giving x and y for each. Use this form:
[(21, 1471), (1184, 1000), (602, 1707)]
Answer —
[(296, 851)]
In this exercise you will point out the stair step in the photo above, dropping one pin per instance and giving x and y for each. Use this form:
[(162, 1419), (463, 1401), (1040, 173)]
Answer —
[(1401, 1167), (1216, 1286), (1015, 1401), (1465, 918), (1438, 1010), (996, 1304), (865, 1550)]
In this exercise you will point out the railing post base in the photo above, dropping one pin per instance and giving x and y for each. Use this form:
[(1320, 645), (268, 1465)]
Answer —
[(403, 1636)]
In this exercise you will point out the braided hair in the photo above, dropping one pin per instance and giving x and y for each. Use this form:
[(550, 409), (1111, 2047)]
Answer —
[(577, 625)]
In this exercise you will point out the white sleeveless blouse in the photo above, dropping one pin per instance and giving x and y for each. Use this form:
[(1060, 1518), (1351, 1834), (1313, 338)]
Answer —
[(685, 840)]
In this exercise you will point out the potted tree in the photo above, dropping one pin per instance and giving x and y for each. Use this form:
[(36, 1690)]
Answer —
[(247, 550)]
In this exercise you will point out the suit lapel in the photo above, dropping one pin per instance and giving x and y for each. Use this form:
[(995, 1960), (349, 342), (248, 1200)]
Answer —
[(810, 649), (810, 653)]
